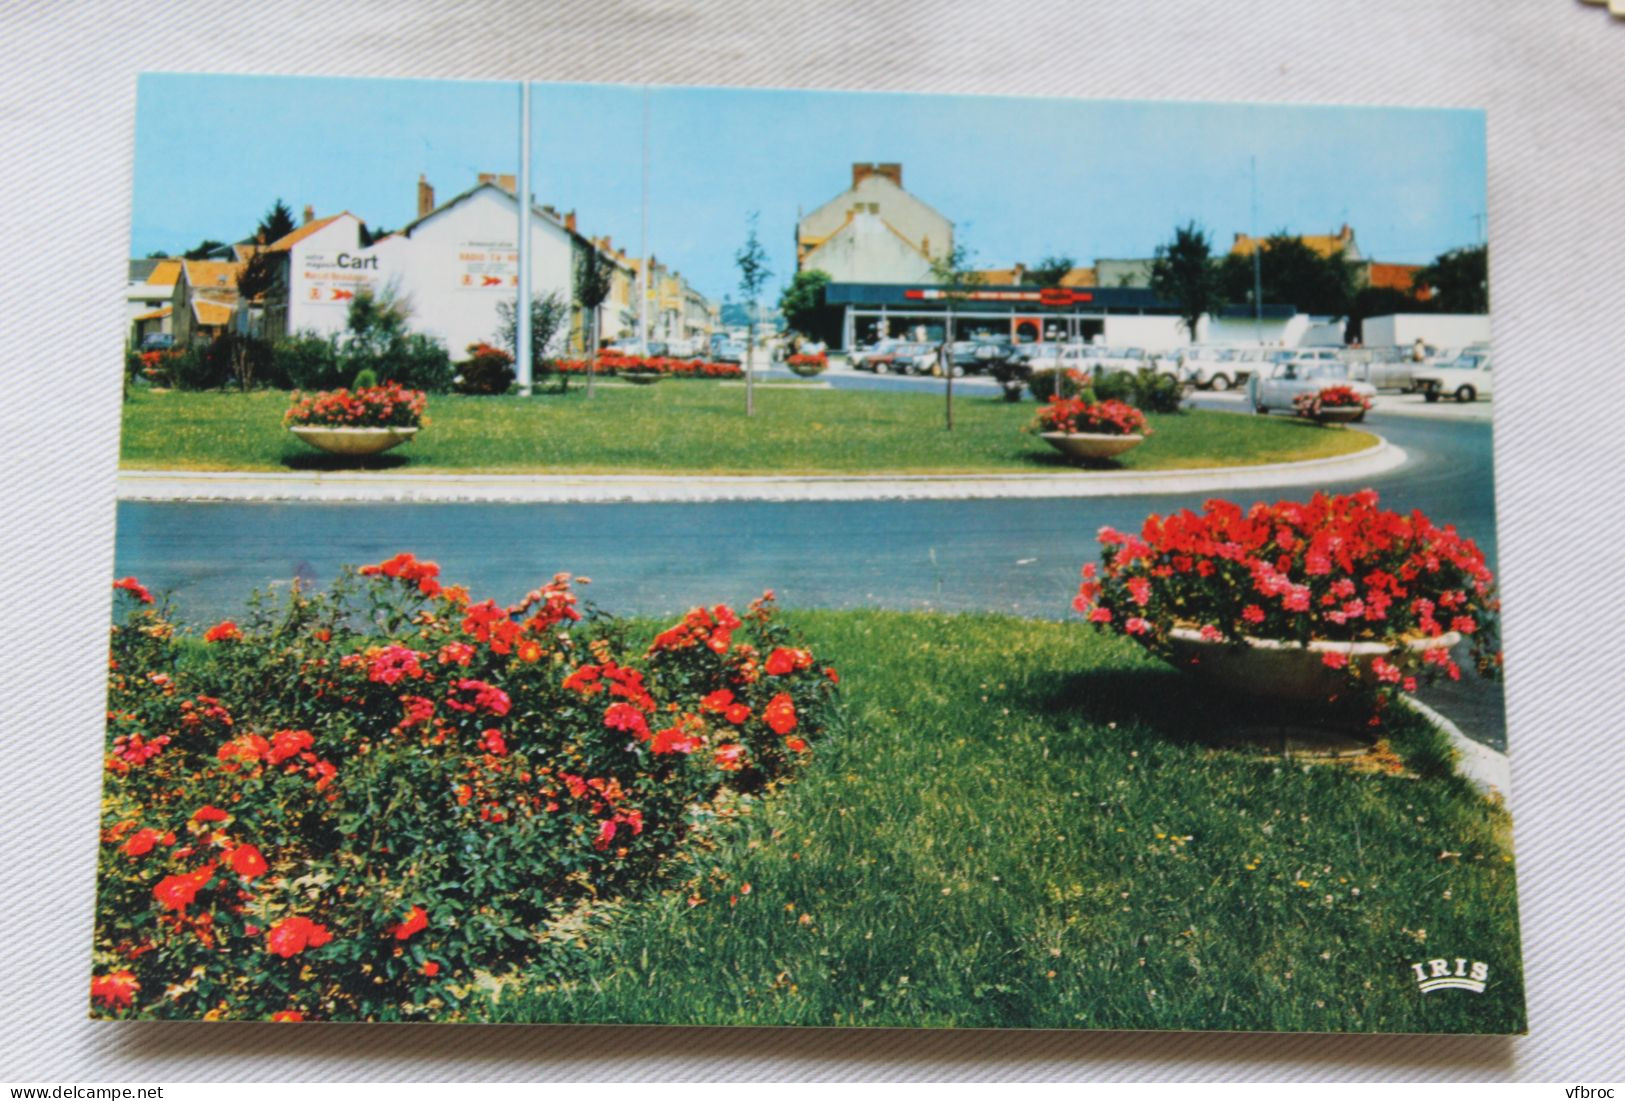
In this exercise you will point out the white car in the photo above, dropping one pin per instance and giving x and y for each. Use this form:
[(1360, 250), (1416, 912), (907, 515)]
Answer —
[(1046, 356), (1465, 378), (1278, 384), (1217, 368)]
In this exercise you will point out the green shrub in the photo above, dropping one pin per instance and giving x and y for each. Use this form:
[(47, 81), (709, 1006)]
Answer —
[(487, 370), (1067, 381), (365, 379), (306, 361), (1155, 392), (355, 805), (1115, 386), (201, 367), (417, 361)]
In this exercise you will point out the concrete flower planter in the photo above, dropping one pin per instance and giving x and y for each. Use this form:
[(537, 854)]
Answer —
[(1090, 445), (352, 441), (640, 378), (1269, 669), (1338, 414)]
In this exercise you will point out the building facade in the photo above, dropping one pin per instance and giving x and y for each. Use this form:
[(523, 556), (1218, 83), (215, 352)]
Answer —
[(874, 231)]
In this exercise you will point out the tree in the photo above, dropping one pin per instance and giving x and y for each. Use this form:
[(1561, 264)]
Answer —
[(1183, 273), (370, 235), (753, 276), (202, 249), (1049, 271), (1291, 272), (953, 275), (1460, 280), (277, 224), (259, 275), (548, 314), (594, 276), (805, 309)]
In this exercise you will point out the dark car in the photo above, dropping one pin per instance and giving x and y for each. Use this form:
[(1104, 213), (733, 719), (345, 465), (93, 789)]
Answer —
[(157, 342)]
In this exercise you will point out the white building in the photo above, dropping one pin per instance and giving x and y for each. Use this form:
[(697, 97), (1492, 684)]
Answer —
[(451, 267), (873, 232)]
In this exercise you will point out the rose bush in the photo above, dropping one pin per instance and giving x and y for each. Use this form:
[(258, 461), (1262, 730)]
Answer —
[(1334, 568), (361, 804), (807, 365), (386, 406), (1329, 397), (1075, 415), (611, 363)]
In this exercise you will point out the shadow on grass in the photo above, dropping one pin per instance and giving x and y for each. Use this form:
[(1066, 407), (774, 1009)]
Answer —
[(1054, 460), (1183, 711), (323, 461)]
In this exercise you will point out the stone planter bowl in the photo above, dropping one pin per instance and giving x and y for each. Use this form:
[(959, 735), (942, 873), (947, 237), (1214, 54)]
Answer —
[(641, 378), (1269, 669), (352, 441), (1090, 445), (1339, 414)]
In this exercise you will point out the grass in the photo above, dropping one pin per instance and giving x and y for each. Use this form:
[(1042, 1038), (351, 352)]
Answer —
[(697, 427), (1019, 823)]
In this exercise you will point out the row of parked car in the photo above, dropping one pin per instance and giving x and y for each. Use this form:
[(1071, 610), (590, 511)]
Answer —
[(1436, 373)]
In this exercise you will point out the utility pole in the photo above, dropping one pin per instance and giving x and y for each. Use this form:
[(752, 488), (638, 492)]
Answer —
[(521, 308), (643, 268), (1258, 276)]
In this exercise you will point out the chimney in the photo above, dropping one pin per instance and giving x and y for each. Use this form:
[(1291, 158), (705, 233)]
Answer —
[(425, 195), (310, 214), (570, 221), (892, 171)]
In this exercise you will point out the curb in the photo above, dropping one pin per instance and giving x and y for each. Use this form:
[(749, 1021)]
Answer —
[(1488, 770), (640, 488), (174, 485)]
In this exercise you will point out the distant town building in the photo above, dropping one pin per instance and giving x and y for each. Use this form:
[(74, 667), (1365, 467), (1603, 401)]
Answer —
[(874, 231), (1124, 273), (1341, 243)]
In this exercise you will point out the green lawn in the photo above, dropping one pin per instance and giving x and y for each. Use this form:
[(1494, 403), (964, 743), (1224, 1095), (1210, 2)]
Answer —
[(1015, 823), (697, 427)]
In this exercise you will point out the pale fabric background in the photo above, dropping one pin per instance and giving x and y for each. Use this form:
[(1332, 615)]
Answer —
[(1551, 73)]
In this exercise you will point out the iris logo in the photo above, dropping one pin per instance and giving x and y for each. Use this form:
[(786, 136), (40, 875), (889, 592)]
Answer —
[(1440, 975)]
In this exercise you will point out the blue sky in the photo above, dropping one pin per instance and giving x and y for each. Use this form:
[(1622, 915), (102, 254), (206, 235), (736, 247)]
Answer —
[(1020, 178)]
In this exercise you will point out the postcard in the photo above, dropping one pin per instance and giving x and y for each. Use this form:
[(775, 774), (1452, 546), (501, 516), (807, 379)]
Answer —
[(624, 554)]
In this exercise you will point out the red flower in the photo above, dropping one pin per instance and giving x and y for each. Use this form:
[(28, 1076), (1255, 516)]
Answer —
[(492, 742), (115, 990), (780, 713), (415, 922), (143, 840), (625, 717), (289, 743), (292, 935), (730, 757), (134, 588), (248, 862), (674, 740), (224, 631), (287, 1015), (177, 892), (209, 813), (738, 714), (782, 661), (431, 968)]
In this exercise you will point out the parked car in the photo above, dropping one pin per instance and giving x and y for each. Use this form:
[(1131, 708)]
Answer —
[(1219, 369), (1465, 378), (865, 359), (1278, 385), (910, 358), (728, 351), (1046, 355), (157, 342)]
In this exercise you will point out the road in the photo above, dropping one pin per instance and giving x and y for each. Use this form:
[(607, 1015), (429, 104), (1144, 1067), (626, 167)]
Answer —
[(1014, 555)]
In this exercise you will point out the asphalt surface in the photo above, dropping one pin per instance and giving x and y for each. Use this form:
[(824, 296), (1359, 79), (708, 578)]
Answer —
[(1016, 555)]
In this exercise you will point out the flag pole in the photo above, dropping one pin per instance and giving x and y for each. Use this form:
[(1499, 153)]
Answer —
[(522, 364)]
